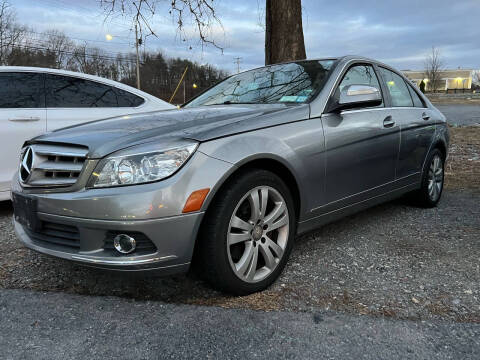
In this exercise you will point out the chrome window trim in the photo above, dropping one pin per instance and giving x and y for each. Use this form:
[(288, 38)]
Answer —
[(341, 72), (384, 108)]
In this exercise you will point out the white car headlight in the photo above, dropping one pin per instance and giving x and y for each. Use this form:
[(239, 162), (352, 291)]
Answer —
[(139, 167)]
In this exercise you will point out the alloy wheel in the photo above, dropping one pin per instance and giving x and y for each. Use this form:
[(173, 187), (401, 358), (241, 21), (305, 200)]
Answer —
[(258, 234), (435, 178)]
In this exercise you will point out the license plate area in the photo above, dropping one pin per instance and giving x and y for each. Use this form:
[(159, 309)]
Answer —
[(25, 211)]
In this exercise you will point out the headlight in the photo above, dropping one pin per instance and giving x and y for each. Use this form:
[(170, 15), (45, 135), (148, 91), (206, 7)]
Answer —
[(138, 167)]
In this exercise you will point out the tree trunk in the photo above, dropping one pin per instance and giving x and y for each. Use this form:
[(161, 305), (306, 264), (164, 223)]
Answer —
[(283, 31)]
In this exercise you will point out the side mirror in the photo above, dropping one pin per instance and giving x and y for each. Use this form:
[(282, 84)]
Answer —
[(354, 96)]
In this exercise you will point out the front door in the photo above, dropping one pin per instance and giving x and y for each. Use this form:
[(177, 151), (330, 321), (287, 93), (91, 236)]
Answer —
[(361, 147), (22, 117)]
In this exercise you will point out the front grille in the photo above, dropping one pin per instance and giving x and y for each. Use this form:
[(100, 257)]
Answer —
[(58, 234), (55, 165)]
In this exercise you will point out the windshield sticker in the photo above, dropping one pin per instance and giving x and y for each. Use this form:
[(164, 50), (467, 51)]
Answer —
[(302, 98), (290, 98)]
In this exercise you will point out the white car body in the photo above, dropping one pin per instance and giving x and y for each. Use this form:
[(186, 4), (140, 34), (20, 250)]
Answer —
[(18, 124)]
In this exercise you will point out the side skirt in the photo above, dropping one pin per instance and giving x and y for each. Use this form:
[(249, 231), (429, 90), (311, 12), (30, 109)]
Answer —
[(336, 214)]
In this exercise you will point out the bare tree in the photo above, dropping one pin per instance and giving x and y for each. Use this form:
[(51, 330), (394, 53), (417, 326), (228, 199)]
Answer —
[(198, 13), (10, 32), (61, 45), (476, 78), (433, 66), (283, 31), (284, 40)]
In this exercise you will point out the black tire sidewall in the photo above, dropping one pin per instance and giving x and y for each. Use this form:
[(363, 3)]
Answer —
[(216, 229), (425, 199)]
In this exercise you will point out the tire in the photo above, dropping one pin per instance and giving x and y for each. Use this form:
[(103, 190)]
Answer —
[(431, 189), (235, 240)]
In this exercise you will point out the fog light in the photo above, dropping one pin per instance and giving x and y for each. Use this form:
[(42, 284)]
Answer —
[(124, 243)]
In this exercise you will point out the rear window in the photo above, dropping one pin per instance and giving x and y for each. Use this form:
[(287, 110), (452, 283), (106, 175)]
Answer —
[(397, 88), (417, 101), (71, 92), (126, 99), (21, 90)]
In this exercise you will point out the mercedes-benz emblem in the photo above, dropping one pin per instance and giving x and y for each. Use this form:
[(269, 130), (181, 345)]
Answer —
[(26, 164)]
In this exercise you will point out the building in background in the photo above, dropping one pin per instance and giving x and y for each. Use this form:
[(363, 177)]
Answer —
[(449, 80)]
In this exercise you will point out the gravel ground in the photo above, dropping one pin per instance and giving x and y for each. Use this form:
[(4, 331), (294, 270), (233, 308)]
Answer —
[(393, 260), (53, 326)]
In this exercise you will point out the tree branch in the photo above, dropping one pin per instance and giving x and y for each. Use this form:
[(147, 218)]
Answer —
[(201, 13)]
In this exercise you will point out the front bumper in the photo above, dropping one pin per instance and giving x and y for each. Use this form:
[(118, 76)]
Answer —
[(173, 237), (76, 224)]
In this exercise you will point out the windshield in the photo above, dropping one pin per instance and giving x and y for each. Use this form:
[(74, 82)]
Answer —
[(294, 82)]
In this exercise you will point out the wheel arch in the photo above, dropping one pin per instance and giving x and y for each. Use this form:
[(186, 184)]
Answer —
[(440, 145), (262, 162)]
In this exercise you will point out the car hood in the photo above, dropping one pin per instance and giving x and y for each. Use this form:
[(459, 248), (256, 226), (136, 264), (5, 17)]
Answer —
[(204, 123)]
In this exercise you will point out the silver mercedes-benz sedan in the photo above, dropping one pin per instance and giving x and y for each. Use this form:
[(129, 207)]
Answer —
[(229, 180)]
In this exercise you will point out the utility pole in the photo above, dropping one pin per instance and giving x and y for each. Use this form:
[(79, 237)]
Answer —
[(178, 85), (237, 61), (138, 61)]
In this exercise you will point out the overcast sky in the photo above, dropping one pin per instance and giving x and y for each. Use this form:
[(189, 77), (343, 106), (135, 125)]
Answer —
[(398, 32)]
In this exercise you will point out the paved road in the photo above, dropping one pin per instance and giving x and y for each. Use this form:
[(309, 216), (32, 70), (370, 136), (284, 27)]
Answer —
[(461, 114), (59, 326)]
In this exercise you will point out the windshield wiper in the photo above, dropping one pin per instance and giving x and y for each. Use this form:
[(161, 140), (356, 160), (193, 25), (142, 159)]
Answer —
[(228, 102)]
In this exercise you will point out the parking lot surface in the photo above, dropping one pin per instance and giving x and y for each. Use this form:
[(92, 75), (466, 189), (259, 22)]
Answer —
[(461, 114), (394, 260), (59, 326)]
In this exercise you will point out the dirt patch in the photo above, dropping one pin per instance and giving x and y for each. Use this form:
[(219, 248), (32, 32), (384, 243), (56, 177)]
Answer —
[(463, 165)]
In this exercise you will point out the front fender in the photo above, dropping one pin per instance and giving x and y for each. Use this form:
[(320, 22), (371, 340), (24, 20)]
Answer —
[(298, 146)]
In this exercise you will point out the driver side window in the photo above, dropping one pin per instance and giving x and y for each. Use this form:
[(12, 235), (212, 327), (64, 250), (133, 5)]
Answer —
[(360, 75)]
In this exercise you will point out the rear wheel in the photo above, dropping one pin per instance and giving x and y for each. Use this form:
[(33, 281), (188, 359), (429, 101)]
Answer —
[(432, 180), (248, 233)]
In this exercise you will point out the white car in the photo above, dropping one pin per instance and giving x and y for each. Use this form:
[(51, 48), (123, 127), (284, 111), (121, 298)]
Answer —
[(37, 100)]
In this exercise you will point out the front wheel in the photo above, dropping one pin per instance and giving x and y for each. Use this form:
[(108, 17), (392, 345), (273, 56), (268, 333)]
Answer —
[(248, 233)]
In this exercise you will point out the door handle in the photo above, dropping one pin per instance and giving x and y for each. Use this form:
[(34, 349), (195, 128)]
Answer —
[(388, 122), (425, 116), (25, 118)]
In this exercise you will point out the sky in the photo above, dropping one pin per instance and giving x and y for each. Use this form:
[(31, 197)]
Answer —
[(399, 33)]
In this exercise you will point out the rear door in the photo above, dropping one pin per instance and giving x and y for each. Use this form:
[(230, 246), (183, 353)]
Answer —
[(417, 128), (22, 116), (72, 101), (362, 146)]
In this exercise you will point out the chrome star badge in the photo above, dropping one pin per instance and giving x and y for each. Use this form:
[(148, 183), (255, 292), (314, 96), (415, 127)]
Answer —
[(26, 164)]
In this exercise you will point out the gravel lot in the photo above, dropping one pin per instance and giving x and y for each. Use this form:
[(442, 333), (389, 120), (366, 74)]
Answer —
[(393, 261)]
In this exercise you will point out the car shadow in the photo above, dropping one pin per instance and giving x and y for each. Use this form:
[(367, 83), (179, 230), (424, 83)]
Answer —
[(6, 208)]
